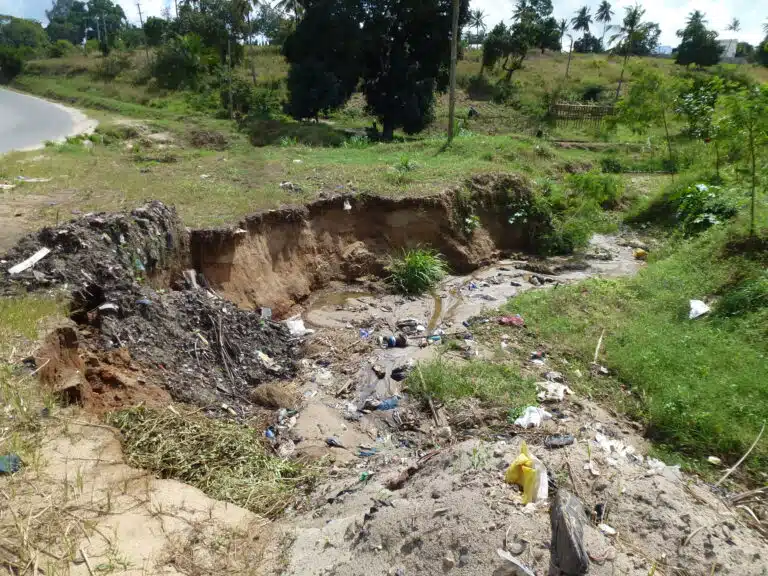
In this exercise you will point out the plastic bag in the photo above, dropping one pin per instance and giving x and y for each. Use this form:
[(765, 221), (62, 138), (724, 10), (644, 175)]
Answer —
[(532, 417), (530, 474), (698, 308)]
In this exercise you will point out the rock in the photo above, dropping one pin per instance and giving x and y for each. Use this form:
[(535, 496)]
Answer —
[(463, 560), (448, 561), (379, 371), (535, 281), (567, 519), (516, 547), (436, 493)]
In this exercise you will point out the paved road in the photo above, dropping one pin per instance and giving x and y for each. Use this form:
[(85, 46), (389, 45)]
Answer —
[(27, 122)]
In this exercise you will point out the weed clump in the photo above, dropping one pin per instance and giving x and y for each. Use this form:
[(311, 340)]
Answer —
[(225, 460), (416, 270)]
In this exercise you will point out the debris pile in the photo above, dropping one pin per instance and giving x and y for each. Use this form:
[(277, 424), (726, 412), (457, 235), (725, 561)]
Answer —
[(201, 348)]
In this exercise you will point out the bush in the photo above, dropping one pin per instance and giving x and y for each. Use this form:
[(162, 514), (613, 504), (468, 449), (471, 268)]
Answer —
[(749, 296), (11, 64), (266, 132), (247, 100), (611, 165), (416, 271), (180, 63), (604, 189), (60, 48), (110, 67)]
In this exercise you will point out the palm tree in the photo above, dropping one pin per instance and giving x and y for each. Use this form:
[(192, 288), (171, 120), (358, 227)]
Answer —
[(582, 20), (604, 15), (734, 26), (630, 31), (563, 28), (287, 6), (477, 21)]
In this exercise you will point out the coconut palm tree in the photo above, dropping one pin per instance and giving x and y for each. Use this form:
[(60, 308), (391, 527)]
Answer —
[(604, 15), (630, 30), (582, 20), (287, 6), (477, 21), (562, 27), (734, 26)]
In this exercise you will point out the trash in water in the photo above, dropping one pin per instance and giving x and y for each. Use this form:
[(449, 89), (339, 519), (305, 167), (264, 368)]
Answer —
[(296, 327), (434, 338), (552, 391), (333, 443), (266, 313), (533, 416), (347, 205), (559, 440), (530, 474), (567, 519), (515, 320), (399, 373), (10, 463), (388, 403), (698, 308)]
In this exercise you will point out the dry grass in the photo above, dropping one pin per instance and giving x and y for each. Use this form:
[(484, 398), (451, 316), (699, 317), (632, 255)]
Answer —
[(227, 461)]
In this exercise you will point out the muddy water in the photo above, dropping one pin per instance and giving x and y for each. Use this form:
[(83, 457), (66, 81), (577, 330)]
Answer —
[(455, 300)]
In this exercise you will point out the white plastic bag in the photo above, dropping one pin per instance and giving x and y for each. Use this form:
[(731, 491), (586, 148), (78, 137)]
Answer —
[(698, 308), (532, 417)]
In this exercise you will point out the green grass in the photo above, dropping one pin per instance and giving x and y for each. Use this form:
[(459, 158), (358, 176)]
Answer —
[(494, 383), (226, 460), (698, 385), (20, 319), (416, 270)]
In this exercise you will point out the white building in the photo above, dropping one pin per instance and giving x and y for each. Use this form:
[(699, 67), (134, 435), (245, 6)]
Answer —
[(729, 48)]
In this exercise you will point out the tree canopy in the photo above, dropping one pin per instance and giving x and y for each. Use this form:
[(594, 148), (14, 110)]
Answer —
[(22, 34), (698, 45), (398, 50)]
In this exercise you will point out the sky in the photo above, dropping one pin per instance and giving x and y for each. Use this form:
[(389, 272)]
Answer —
[(669, 14)]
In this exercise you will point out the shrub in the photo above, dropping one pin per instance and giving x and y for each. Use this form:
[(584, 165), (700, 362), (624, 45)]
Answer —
[(271, 131), (247, 100), (611, 165), (592, 92), (749, 296), (11, 64), (416, 270), (180, 63), (110, 67), (604, 189), (60, 48)]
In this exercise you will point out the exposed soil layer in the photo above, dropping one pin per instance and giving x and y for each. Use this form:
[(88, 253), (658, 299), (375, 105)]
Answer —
[(278, 257)]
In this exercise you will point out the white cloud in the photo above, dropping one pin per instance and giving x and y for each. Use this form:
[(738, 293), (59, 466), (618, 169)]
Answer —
[(669, 14)]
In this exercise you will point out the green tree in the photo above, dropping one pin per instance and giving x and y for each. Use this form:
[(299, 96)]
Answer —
[(604, 15), (155, 30), (588, 44), (633, 36), (748, 114), (583, 20), (698, 45), (26, 36), (67, 20), (398, 49), (562, 28), (218, 23)]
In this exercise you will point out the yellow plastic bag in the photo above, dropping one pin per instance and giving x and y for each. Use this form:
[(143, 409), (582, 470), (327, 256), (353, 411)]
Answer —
[(530, 474)]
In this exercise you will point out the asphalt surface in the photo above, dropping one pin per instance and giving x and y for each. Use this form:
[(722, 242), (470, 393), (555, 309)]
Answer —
[(27, 122)]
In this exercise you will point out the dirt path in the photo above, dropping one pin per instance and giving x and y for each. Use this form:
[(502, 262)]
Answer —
[(456, 512)]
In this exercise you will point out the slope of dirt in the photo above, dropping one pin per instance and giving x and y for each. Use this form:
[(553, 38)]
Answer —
[(278, 257)]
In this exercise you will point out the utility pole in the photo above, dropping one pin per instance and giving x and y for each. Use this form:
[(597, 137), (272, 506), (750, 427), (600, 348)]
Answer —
[(104, 23), (454, 57), (141, 21), (229, 55)]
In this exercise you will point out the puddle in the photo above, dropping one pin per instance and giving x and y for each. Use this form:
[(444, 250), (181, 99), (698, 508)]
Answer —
[(436, 313)]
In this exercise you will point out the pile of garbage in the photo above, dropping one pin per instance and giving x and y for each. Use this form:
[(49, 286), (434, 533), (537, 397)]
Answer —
[(198, 346)]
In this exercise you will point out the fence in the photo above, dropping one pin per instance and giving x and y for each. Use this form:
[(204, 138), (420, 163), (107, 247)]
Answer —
[(564, 112)]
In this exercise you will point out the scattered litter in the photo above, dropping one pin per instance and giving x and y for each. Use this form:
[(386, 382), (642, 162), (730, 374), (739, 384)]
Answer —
[(515, 320), (614, 447), (553, 376), (388, 403), (347, 205), (297, 160), (592, 467), (538, 355), (698, 308), (516, 284), (607, 530), (379, 370), (567, 519), (365, 476), (532, 417), (559, 440), (290, 186), (32, 180), (29, 262), (640, 254), (714, 460), (399, 373), (204, 176), (657, 467), (296, 327), (400, 340), (552, 391), (516, 567), (7, 186), (367, 453), (310, 393), (434, 338), (266, 313), (365, 333), (269, 433), (286, 448), (268, 362), (333, 443), (530, 474), (322, 376), (10, 463)]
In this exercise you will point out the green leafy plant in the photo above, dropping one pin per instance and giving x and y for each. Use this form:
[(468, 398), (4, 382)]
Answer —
[(416, 270), (703, 206)]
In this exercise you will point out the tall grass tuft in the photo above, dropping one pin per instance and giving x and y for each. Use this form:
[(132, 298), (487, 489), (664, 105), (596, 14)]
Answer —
[(416, 270)]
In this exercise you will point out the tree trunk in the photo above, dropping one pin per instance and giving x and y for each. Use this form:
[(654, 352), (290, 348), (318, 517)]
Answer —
[(568, 66), (454, 52), (388, 129), (621, 78)]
